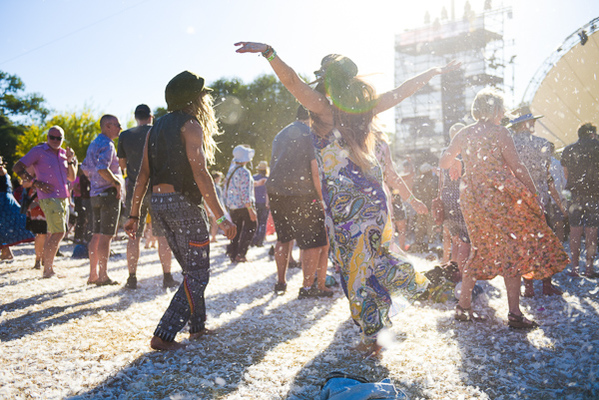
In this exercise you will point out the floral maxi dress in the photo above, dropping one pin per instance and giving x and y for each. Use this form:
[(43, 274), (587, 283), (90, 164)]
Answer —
[(359, 230), (507, 228)]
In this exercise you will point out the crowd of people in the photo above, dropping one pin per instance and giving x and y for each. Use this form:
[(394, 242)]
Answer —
[(331, 188)]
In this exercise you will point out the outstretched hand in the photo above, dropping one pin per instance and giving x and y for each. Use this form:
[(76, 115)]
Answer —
[(451, 66), (251, 47)]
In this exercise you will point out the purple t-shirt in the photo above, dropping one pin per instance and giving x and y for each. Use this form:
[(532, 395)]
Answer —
[(101, 154), (49, 167)]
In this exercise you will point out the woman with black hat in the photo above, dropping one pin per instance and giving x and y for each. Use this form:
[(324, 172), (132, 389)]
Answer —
[(176, 153), (342, 107)]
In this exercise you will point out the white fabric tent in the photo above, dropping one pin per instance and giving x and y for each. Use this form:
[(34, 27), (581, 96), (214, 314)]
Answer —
[(566, 88)]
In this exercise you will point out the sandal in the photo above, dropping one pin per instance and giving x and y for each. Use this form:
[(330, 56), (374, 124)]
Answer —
[(280, 288), (467, 315), (519, 322), (574, 273), (589, 273)]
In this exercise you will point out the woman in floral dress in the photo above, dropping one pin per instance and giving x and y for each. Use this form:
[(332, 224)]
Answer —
[(502, 211), (342, 107)]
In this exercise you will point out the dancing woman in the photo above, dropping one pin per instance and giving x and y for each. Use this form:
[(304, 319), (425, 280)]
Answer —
[(342, 108), (502, 210)]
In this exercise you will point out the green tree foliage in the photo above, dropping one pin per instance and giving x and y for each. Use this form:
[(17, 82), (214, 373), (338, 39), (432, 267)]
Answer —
[(22, 108), (80, 129), (251, 114), (9, 137), (159, 112), (14, 103)]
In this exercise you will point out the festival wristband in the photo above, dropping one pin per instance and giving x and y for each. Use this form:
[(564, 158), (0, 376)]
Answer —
[(222, 219)]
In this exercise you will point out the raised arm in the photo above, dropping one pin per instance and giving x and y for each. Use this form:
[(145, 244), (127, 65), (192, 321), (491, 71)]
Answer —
[(394, 97), (314, 101)]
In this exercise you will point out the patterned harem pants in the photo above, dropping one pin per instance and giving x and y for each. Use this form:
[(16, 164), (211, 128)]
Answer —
[(186, 229)]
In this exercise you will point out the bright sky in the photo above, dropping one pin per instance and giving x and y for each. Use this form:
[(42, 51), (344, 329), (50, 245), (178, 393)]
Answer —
[(111, 55)]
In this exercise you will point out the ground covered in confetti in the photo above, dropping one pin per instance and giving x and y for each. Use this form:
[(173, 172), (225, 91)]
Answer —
[(60, 338)]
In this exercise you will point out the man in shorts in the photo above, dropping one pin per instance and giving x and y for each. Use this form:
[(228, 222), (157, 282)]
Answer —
[(102, 167), (53, 167), (130, 152), (581, 169), (295, 198)]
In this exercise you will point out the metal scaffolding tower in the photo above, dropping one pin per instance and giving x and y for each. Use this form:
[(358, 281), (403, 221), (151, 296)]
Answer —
[(422, 121)]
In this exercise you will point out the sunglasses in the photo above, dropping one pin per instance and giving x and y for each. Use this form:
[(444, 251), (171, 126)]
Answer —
[(52, 137)]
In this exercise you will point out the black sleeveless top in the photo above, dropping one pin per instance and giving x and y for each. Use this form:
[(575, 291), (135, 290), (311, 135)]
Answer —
[(168, 158)]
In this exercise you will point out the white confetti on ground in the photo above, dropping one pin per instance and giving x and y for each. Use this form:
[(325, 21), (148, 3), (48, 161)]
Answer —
[(60, 338)]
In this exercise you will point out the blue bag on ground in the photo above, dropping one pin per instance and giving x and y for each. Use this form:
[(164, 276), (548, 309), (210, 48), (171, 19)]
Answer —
[(342, 386), (80, 251)]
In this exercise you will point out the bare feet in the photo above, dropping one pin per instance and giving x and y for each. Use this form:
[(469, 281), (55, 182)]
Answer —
[(6, 254), (158, 344), (50, 274), (369, 350), (198, 335)]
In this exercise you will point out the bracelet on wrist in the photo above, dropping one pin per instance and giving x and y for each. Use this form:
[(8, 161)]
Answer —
[(135, 217), (266, 52), (269, 53), (224, 218)]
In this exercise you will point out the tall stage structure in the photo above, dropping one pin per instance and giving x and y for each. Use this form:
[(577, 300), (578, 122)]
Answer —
[(423, 120)]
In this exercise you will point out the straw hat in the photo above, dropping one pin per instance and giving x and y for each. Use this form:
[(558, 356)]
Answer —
[(520, 115)]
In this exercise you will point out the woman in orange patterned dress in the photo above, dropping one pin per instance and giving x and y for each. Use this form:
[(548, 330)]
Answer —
[(502, 211)]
